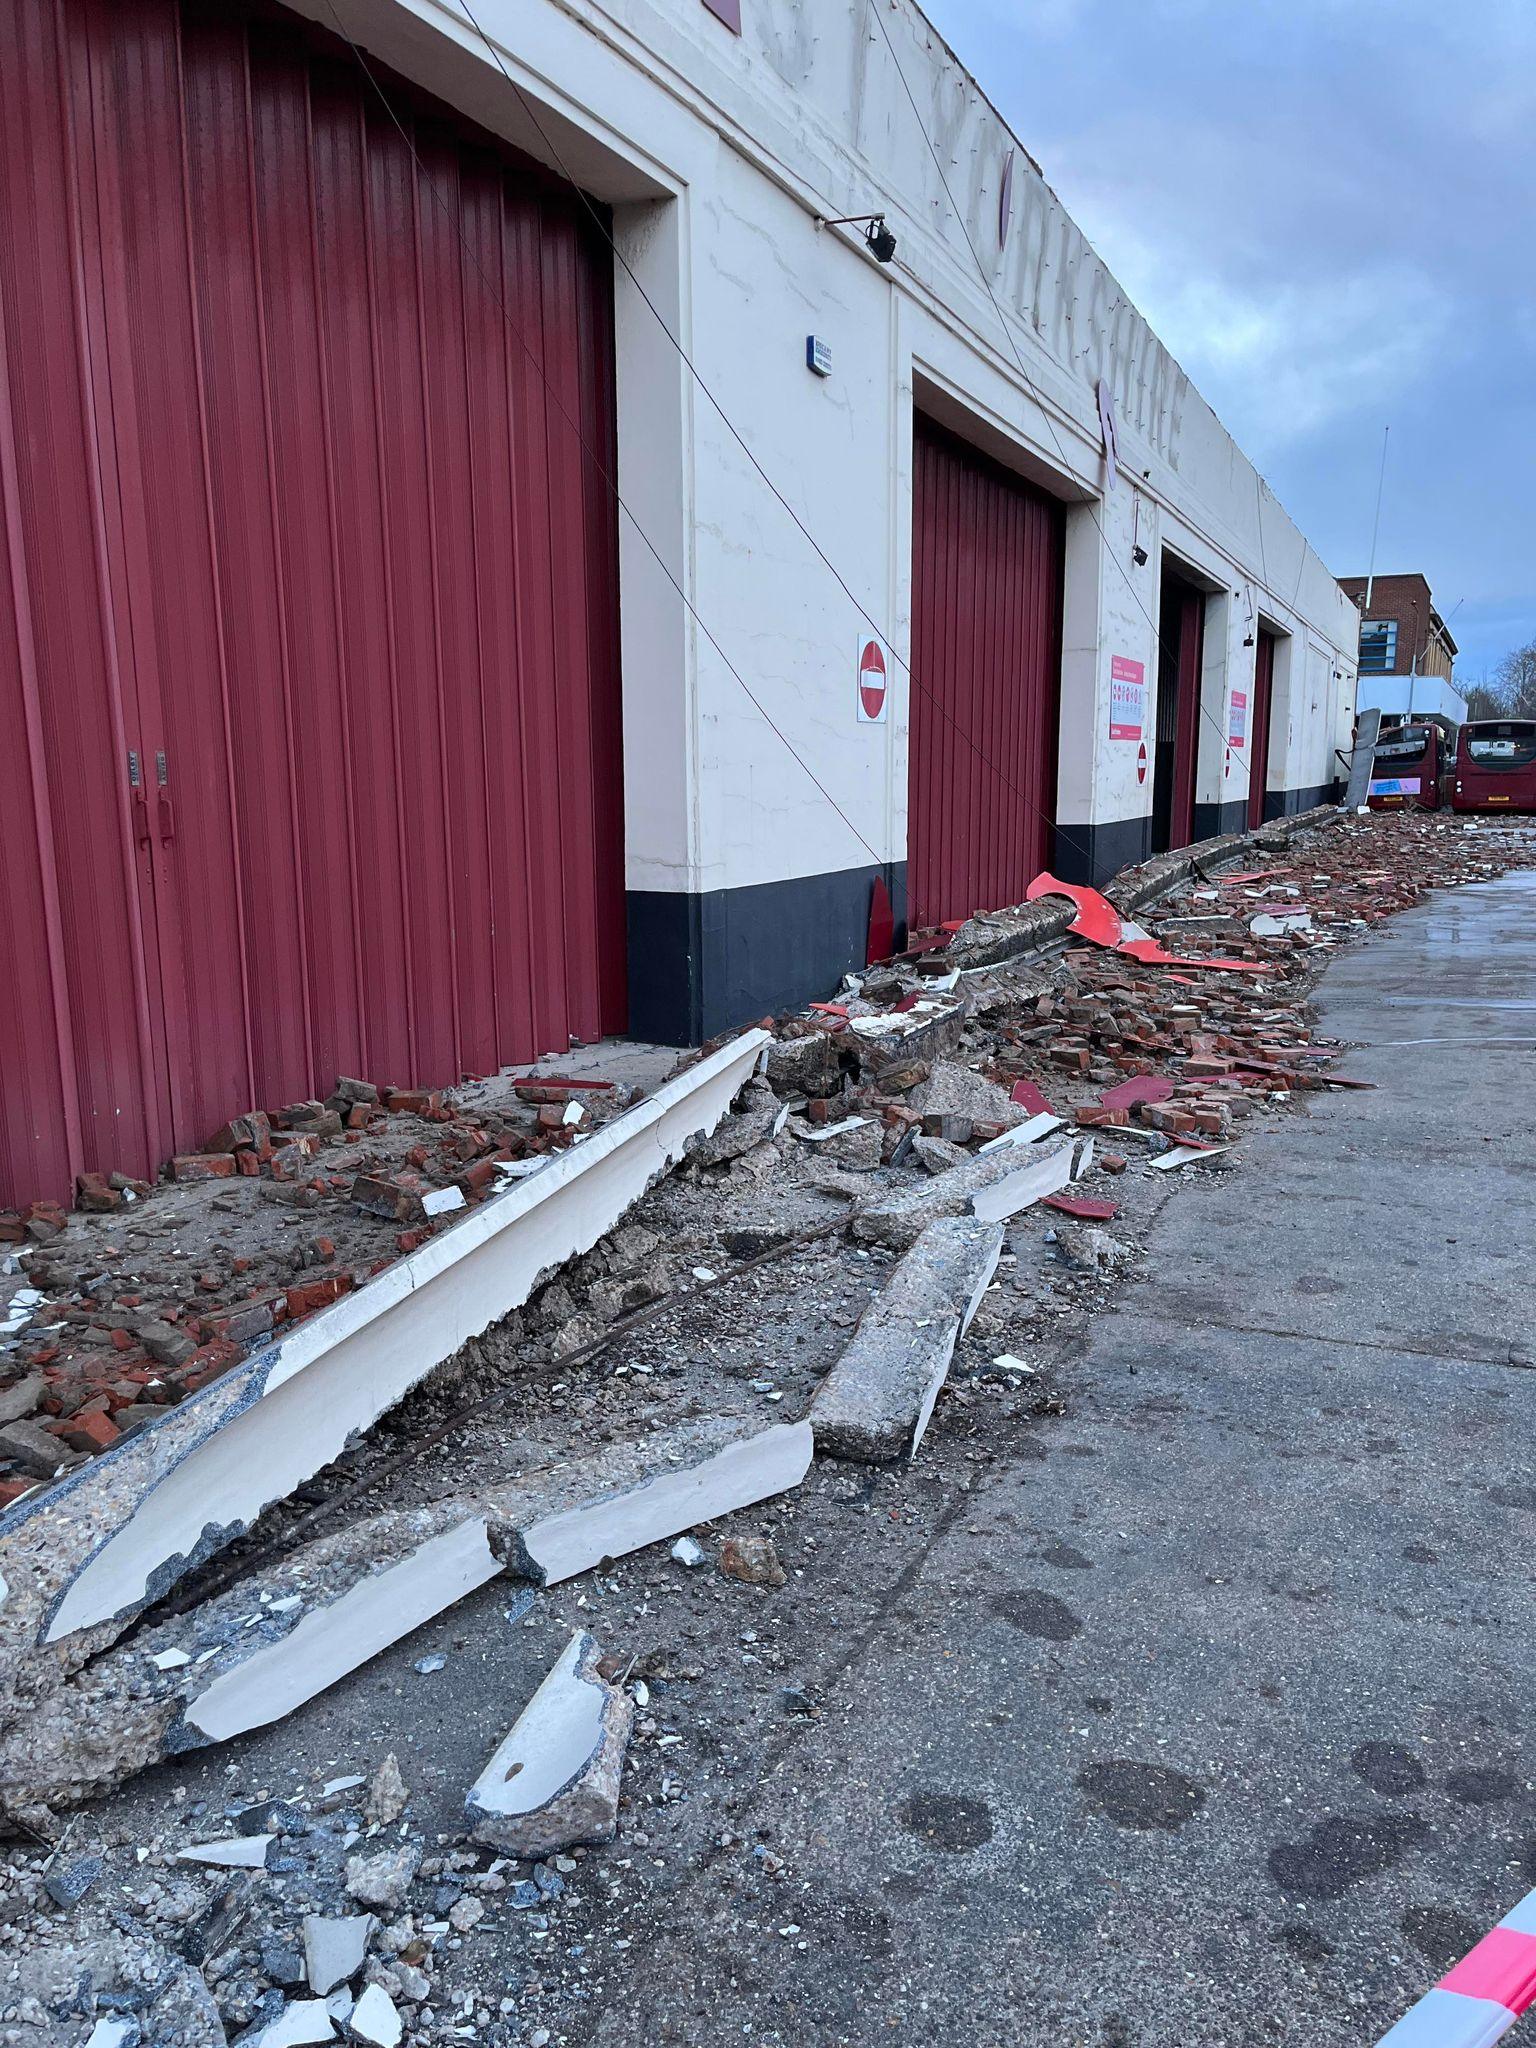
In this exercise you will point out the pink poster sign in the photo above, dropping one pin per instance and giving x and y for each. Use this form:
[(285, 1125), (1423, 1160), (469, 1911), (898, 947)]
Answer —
[(1127, 698)]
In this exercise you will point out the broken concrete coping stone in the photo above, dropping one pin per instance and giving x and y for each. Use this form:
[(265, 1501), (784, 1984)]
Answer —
[(554, 1781), (268, 1645), (899, 1220), (753, 1469), (953, 1090), (991, 937), (876, 1402), (103, 1542)]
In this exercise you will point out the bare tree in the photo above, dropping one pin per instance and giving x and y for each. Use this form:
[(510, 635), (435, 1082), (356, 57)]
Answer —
[(1514, 682), (1483, 701)]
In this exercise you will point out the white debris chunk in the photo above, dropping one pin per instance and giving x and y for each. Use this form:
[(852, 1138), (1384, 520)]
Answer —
[(239, 1852), (1021, 1190), (296, 2026), (441, 1201), (554, 1781), (752, 1469), (375, 2019), (1186, 1155), (688, 1550), (334, 1949)]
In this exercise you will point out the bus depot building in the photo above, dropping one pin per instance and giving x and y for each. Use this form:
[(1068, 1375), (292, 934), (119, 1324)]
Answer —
[(516, 519)]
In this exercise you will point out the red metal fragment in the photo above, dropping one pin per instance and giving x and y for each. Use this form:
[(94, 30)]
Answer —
[(1141, 1088), (1097, 919), (882, 924), (1087, 1207)]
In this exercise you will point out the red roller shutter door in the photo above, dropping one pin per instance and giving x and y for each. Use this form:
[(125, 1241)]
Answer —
[(308, 587), (987, 553)]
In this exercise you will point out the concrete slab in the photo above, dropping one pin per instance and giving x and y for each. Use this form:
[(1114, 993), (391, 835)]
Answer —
[(876, 1401)]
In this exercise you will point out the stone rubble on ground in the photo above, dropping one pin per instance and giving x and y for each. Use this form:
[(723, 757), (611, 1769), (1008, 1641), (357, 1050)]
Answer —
[(216, 1953)]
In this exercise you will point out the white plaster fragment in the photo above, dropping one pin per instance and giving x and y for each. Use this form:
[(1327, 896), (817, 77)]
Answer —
[(335, 1948), (300, 2023), (1185, 1155), (113, 2033), (442, 1201), (238, 1852), (818, 1134), (1023, 1189), (374, 2018), (753, 1469), (1030, 1133), (554, 1781), (340, 1370), (332, 1640)]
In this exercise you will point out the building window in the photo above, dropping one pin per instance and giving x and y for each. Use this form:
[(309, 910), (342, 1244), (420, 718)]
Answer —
[(1378, 647), (728, 11)]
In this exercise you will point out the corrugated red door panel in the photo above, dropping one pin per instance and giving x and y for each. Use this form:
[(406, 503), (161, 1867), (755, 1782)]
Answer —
[(318, 415), (345, 310), (168, 599), (987, 558), (310, 513), (245, 513), (72, 938), (449, 373)]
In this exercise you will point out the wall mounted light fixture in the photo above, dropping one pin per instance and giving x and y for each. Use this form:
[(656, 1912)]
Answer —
[(878, 237)]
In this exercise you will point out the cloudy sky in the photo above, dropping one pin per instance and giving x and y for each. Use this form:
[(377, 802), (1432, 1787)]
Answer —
[(1327, 209)]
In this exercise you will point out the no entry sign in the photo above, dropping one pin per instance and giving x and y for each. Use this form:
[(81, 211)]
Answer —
[(872, 691)]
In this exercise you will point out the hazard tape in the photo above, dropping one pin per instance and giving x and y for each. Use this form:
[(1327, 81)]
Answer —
[(1482, 1997)]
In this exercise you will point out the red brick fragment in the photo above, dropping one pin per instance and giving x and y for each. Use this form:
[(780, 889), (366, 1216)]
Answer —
[(90, 1430), (202, 1166)]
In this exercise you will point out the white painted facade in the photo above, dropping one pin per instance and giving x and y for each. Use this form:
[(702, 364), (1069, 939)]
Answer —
[(720, 154)]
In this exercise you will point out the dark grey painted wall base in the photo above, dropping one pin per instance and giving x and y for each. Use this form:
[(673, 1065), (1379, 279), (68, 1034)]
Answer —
[(1213, 820), (703, 964), (1290, 803)]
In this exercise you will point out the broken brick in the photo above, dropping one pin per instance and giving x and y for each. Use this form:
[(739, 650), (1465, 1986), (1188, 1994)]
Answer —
[(202, 1166), (91, 1430)]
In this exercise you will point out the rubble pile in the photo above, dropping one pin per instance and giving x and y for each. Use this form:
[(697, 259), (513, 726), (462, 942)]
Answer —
[(1019, 1098), (977, 1051), (149, 1293)]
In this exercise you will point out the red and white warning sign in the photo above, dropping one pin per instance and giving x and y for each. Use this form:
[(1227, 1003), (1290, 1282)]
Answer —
[(1141, 762), (872, 690)]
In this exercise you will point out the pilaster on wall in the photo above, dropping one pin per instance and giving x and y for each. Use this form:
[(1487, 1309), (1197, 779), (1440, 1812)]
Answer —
[(657, 633)]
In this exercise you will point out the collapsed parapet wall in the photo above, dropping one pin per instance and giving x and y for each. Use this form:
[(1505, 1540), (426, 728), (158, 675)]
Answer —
[(79, 1560)]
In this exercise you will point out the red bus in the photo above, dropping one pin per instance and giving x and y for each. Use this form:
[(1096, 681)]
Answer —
[(1411, 755), (1496, 766)]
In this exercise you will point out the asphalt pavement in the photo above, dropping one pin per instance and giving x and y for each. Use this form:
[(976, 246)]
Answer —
[(1209, 1726)]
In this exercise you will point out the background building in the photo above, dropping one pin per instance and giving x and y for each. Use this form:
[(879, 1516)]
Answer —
[(1407, 656), (491, 557)]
